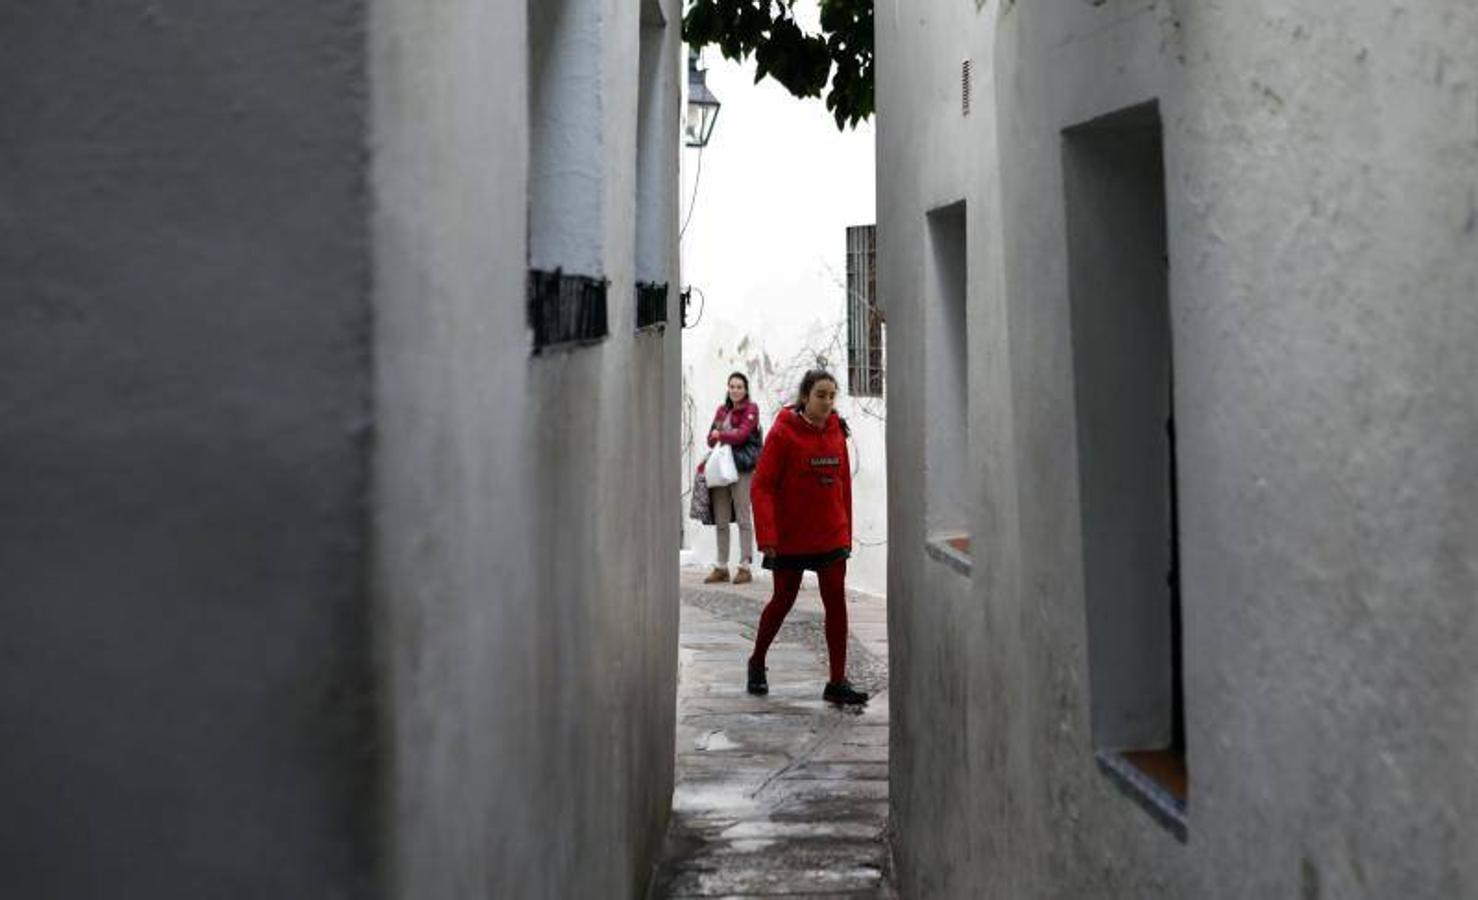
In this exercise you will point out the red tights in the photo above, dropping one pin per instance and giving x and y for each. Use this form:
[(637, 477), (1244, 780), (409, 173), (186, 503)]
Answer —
[(833, 578)]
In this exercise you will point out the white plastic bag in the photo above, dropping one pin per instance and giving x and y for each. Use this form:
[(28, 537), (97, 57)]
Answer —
[(720, 470)]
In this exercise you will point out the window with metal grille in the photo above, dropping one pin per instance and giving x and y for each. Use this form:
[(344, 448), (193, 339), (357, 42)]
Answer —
[(651, 305), (566, 288), (655, 204), (566, 309), (864, 319)]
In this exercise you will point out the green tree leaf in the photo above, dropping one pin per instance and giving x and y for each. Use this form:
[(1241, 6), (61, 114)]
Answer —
[(804, 64)]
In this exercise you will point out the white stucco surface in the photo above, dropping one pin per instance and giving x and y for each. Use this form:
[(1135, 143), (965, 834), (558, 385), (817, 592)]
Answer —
[(185, 683), (1320, 166), (568, 182), (317, 582), (527, 570)]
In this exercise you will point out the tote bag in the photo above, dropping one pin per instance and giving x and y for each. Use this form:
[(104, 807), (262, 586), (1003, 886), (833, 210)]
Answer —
[(700, 505)]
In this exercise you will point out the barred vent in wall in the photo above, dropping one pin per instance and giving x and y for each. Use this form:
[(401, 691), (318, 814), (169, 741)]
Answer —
[(965, 88), (651, 305), (566, 309)]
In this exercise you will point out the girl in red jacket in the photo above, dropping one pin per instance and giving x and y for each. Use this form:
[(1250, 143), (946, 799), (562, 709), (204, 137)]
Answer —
[(802, 498)]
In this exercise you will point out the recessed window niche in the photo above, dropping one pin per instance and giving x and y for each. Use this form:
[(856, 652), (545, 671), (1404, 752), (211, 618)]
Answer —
[(1118, 269), (654, 214), (567, 290), (947, 397)]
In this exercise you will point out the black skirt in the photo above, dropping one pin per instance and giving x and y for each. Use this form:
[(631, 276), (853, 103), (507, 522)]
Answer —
[(813, 561)]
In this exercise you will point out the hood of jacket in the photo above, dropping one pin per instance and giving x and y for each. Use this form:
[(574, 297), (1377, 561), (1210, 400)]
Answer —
[(794, 421)]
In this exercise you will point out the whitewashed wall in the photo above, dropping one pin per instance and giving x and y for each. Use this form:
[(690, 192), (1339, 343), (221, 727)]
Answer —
[(310, 590), (529, 603), (1323, 261)]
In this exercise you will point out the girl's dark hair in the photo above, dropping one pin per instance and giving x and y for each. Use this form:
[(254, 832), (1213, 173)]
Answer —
[(728, 401), (808, 383)]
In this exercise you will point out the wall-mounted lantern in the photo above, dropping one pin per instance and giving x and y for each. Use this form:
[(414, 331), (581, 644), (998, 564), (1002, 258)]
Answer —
[(702, 105)]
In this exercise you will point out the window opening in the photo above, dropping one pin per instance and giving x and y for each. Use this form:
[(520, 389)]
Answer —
[(864, 318), (651, 305), (567, 291), (1114, 181), (947, 399), (655, 213), (566, 309)]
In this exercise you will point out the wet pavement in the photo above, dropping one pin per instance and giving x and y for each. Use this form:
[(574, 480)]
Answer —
[(783, 795)]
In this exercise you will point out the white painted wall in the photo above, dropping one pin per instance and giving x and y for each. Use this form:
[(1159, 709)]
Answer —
[(567, 173), (766, 246), (1320, 166), (310, 588), (527, 600), (184, 663)]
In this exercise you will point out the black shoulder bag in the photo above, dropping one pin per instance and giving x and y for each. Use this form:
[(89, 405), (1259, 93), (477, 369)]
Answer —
[(747, 454)]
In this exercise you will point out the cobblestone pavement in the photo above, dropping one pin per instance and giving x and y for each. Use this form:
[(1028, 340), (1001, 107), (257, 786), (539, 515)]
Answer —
[(781, 795)]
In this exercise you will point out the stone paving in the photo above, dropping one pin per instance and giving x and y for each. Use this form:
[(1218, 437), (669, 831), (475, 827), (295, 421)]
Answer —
[(783, 795)]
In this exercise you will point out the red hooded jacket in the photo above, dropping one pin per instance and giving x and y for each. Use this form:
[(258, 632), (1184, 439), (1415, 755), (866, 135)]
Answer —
[(802, 489)]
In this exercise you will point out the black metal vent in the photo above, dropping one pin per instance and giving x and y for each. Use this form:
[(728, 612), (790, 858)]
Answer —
[(965, 88), (566, 309), (651, 305)]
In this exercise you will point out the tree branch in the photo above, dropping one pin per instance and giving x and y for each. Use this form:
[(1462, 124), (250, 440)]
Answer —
[(803, 63)]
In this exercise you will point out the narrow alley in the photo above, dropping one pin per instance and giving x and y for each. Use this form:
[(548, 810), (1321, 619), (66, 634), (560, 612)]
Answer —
[(383, 380), (780, 795)]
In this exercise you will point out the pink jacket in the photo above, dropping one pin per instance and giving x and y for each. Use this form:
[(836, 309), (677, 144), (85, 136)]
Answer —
[(734, 427)]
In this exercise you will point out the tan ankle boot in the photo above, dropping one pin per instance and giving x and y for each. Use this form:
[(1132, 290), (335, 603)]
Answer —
[(743, 576), (716, 576)]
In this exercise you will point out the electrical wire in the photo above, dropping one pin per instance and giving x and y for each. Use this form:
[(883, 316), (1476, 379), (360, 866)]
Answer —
[(693, 199), (701, 307)]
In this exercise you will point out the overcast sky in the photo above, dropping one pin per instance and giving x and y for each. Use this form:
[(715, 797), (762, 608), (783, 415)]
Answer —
[(779, 185)]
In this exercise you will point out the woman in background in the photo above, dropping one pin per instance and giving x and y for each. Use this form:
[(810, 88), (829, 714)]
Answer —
[(736, 423)]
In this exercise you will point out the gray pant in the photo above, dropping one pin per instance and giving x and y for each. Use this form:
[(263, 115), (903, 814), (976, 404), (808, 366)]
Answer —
[(731, 504)]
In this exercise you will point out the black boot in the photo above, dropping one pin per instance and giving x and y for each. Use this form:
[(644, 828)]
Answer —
[(757, 682), (842, 694)]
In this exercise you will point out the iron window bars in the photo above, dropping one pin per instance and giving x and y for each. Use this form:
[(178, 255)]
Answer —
[(864, 319), (566, 309), (651, 305)]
